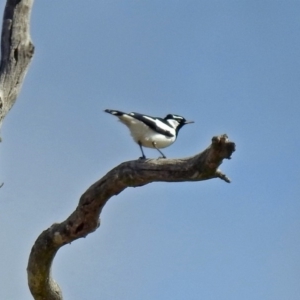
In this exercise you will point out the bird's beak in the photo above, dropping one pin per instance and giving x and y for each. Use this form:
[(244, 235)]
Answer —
[(188, 122)]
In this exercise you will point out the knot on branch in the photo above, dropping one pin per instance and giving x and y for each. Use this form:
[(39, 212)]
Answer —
[(30, 50), (223, 146)]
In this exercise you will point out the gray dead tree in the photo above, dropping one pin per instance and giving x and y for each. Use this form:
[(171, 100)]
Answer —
[(17, 51), (85, 218)]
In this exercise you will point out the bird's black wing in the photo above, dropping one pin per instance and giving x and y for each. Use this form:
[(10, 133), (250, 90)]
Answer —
[(153, 123)]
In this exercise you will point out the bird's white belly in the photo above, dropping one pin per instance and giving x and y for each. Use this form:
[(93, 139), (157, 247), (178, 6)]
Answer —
[(146, 136), (160, 140)]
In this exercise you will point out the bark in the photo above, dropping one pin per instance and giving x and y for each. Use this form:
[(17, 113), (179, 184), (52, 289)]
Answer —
[(16, 52), (85, 218)]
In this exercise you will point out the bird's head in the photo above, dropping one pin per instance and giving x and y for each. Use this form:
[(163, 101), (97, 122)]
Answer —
[(177, 121)]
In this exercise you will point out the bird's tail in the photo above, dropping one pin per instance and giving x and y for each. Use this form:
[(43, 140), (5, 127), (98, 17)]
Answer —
[(115, 112)]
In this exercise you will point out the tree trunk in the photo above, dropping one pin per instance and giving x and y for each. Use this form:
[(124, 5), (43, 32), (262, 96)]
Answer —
[(16, 52)]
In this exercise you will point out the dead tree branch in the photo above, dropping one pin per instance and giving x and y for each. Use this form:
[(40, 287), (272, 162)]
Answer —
[(16, 52), (85, 218)]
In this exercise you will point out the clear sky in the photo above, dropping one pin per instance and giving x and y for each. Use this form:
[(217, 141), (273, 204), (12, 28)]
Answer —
[(231, 66)]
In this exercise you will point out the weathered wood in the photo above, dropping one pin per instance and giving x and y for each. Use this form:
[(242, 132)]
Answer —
[(16, 52), (85, 218)]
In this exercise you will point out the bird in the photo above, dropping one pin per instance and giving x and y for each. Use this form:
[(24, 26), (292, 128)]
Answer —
[(151, 132)]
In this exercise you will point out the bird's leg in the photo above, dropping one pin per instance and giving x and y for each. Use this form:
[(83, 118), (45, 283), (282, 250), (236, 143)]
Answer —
[(142, 157), (154, 145)]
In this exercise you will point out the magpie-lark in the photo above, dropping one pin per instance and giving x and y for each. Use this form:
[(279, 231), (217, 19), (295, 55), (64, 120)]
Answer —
[(149, 131)]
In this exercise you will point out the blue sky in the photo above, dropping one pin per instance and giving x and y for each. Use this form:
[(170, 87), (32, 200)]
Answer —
[(232, 67)]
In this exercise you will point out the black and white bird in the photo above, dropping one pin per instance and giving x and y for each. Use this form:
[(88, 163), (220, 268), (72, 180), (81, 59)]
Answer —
[(150, 131)]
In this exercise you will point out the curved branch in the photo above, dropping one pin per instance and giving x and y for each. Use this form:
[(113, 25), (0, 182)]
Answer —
[(85, 218), (16, 52)]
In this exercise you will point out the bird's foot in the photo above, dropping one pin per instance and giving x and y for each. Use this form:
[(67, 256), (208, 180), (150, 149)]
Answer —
[(142, 157), (162, 157)]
